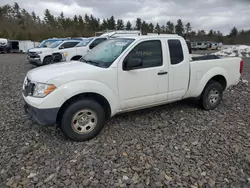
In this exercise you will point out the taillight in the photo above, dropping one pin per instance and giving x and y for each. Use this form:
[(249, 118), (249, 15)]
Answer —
[(241, 66)]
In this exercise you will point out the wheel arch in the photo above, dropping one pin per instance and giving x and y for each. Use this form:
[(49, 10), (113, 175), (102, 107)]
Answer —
[(88, 95), (76, 57), (220, 79), (47, 56)]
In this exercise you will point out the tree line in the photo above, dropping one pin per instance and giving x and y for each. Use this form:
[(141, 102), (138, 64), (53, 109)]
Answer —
[(17, 23)]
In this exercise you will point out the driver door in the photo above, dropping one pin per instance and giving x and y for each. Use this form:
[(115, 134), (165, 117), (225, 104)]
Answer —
[(138, 87)]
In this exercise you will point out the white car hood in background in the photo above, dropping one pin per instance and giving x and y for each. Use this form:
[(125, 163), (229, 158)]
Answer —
[(40, 49), (48, 72)]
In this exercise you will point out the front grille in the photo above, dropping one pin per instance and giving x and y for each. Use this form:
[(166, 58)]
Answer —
[(28, 88), (33, 55)]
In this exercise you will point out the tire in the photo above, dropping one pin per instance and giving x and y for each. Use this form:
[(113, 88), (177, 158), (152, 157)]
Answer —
[(75, 128), (211, 95), (76, 58), (47, 61)]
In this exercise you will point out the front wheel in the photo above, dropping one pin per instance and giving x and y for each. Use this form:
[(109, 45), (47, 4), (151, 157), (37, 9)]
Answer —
[(47, 60), (211, 96), (83, 120)]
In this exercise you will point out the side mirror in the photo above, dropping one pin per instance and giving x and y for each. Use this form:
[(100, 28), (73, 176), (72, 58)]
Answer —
[(132, 64), (91, 46), (61, 47)]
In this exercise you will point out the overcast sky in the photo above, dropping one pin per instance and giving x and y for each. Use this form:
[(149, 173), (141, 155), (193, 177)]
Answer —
[(202, 14)]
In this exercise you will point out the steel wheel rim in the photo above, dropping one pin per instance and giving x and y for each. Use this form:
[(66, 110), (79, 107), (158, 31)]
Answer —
[(214, 96), (84, 121)]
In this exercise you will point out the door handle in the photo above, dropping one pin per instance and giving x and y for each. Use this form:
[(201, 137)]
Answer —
[(162, 73)]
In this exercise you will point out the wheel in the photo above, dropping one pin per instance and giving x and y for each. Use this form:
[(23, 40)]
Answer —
[(76, 58), (47, 61), (211, 95), (82, 120)]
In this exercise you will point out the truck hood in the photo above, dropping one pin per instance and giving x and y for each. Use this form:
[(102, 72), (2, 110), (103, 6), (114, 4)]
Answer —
[(39, 49), (45, 73)]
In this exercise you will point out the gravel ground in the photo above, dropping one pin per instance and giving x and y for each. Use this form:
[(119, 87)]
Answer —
[(176, 145)]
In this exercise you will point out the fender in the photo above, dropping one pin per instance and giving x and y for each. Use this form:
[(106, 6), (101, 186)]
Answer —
[(44, 55), (73, 88), (71, 54), (206, 77)]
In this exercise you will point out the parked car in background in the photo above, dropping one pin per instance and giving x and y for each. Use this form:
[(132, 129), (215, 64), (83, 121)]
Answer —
[(193, 45), (124, 74), (5, 45), (214, 46), (43, 56), (201, 45), (45, 43), (80, 50)]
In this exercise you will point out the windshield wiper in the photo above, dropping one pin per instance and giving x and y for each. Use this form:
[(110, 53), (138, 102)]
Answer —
[(92, 62)]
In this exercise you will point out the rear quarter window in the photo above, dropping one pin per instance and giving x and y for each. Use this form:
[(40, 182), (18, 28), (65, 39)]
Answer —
[(175, 50)]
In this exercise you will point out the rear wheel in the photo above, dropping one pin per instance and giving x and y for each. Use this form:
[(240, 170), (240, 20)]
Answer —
[(47, 61), (82, 120), (211, 96)]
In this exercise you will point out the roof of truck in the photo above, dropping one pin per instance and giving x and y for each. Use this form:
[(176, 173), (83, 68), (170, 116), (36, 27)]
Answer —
[(151, 36)]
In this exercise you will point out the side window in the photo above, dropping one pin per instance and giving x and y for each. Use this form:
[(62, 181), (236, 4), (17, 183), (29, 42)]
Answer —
[(176, 52), (150, 53), (96, 42), (69, 45)]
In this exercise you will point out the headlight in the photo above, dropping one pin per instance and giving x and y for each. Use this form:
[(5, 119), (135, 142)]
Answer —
[(39, 52), (41, 90)]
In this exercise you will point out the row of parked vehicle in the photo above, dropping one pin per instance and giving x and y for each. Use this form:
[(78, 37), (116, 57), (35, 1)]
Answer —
[(205, 45), (66, 49)]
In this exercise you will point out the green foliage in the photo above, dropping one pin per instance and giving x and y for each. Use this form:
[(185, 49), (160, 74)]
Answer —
[(17, 23), (179, 28)]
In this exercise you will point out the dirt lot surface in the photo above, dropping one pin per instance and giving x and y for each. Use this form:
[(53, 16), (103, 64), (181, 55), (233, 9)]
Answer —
[(176, 145)]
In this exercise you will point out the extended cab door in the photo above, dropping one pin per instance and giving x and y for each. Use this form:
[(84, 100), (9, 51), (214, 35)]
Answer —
[(138, 87), (178, 69)]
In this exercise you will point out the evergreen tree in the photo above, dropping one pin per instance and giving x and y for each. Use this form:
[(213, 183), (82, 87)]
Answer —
[(188, 28), (138, 24), (211, 33), (111, 23), (157, 28), (179, 28), (170, 27), (151, 27), (18, 23), (120, 24), (234, 32), (128, 25)]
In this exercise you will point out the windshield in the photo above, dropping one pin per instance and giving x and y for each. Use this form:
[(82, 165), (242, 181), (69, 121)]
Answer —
[(106, 52), (45, 43), (84, 42), (55, 44)]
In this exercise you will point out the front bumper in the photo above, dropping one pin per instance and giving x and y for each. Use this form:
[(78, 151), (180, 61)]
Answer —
[(34, 61), (42, 116)]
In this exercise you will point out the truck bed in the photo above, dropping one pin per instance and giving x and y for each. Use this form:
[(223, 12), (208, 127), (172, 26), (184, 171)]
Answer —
[(202, 70)]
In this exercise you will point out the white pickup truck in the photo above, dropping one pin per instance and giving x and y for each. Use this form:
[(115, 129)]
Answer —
[(80, 50), (124, 74), (43, 56)]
